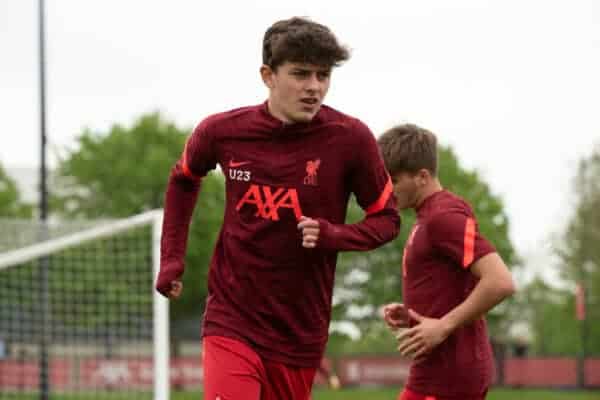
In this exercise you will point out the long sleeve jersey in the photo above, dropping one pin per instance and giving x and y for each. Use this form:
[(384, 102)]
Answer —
[(264, 288)]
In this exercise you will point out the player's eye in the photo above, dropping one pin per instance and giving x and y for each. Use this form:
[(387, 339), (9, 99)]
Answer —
[(300, 73)]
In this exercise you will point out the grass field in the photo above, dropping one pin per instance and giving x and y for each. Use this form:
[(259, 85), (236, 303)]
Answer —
[(391, 394), (498, 394), (353, 394)]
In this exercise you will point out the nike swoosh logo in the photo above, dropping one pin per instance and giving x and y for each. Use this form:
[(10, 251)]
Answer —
[(233, 164)]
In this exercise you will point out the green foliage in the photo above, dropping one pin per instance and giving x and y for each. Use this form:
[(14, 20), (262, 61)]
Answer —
[(578, 250), (549, 311), (123, 172), (11, 204), (94, 288), (87, 274), (550, 314), (119, 173)]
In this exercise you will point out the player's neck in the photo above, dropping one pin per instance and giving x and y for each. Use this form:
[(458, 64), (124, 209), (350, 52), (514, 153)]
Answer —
[(277, 114), (431, 188)]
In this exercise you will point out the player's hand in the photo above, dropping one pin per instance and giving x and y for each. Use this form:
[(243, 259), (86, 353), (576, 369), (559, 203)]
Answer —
[(176, 289), (310, 231), (334, 382), (422, 338), (395, 315)]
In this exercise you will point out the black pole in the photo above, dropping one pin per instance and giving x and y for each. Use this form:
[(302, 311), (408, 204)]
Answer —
[(42, 55), (584, 332), (45, 303)]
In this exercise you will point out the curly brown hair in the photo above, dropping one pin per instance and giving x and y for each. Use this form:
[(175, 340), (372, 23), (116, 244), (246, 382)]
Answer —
[(409, 148), (304, 41)]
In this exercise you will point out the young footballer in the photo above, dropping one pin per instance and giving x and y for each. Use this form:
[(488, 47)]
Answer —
[(290, 164), (451, 277)]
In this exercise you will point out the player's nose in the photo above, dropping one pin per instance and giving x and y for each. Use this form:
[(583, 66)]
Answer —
[(313, 84)]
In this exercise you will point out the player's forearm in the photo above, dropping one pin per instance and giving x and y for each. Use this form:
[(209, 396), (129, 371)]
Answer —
[(486, 295), (372, 232), (180, 199)]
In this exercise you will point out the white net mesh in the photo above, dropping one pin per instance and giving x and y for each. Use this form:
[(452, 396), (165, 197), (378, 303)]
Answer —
[(76, 311)]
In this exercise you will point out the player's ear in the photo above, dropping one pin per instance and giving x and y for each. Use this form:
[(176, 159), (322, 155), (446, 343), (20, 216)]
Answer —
[(267, 73)]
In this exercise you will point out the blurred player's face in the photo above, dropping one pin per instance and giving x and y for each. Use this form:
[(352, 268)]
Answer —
[(407, 189), (296, 90)]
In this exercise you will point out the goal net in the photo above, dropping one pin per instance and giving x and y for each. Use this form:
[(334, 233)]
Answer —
[(78, 314)]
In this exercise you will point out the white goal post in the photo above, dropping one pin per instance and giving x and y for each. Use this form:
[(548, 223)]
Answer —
[(151, 221)]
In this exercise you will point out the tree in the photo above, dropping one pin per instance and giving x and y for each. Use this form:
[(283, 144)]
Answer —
[(119, 173), (367, 280), (123, 172), (11, 204), (549, 313), (578, 250)]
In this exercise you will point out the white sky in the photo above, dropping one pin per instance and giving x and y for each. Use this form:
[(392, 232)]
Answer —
[(513, 86)]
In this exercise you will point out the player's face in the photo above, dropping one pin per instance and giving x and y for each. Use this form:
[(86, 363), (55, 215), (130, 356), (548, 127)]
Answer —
[(406, 189), (296, 90)]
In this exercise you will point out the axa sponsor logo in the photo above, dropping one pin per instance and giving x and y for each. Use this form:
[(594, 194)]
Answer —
[(268, 201)]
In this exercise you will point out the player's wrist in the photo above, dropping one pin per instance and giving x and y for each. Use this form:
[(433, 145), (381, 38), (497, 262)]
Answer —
[(327, 235), (169, 272), (449, 325)]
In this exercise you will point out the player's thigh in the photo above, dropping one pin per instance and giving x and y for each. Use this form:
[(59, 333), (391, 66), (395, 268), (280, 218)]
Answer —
[(288, 382), (232, 370), (410, 395)]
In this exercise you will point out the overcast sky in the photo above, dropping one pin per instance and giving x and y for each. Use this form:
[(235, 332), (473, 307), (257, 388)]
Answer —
[(513, 86)]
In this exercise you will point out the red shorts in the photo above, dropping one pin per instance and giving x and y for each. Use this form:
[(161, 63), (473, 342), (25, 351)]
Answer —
[(410, 395), (233, 371)]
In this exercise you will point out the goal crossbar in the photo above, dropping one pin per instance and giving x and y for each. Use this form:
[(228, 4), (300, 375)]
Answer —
[(160, 306), (31, 252)]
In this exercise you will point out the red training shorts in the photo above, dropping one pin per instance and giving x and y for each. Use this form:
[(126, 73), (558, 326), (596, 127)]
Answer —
[(233, 371), (410, 395)]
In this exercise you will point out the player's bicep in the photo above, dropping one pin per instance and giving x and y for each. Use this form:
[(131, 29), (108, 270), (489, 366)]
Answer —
[(456, 235), (492, 269), (491, 265)]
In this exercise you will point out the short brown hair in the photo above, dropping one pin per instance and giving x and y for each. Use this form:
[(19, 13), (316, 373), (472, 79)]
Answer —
[(408, 148), (301, 40)]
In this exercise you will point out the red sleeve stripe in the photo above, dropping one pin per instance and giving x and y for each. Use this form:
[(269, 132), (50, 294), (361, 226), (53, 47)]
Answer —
[(383, 198), (469, 242), (186, 169)]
